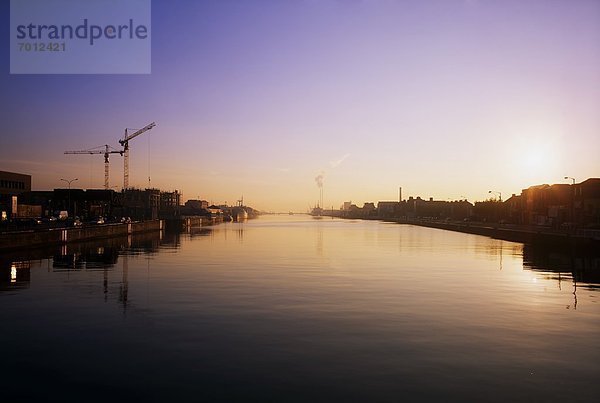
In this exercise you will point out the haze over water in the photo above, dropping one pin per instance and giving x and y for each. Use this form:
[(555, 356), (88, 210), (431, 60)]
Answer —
[(289, 308)]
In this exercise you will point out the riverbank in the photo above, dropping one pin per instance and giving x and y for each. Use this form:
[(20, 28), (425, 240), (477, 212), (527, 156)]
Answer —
[(186, 222), (53, 236), (508, 232), (515, 233)]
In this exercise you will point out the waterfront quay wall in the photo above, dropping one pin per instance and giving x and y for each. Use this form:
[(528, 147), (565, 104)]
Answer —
[(186, 222), (524, 235), (507, 232), (26, 239)]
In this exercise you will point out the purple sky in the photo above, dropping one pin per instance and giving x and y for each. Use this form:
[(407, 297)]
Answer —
[(444, 98)]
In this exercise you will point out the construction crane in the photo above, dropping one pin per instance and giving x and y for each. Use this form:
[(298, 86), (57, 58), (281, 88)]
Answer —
[(107, 151), (125, 144)]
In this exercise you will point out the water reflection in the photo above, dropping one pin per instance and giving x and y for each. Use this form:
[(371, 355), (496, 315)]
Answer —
[(99, 255), (582, 265), (578, 265), (200, 232), (124, 286), (568, 266), (238, 228), (15, 275), (94, 258), (170, 239), (319, 243), (327, 310)]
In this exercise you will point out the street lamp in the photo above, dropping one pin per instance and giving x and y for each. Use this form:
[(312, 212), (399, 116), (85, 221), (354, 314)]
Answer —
[(499, 193), (569, 177), (69, 182)]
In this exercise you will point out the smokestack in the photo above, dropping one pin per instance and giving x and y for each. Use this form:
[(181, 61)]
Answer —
[(400, 194), (319, 180)]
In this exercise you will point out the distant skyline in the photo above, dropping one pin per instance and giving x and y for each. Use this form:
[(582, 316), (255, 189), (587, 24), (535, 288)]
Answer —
[(447, 99)]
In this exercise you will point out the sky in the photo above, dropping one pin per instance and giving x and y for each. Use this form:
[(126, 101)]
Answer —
[(446, 99)]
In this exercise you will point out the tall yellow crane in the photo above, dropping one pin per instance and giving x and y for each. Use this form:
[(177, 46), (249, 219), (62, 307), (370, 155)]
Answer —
[(125, 144), (96, 150)]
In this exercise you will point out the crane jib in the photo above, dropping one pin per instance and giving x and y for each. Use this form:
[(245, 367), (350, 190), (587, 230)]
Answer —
[(125, 144), (124, 152)]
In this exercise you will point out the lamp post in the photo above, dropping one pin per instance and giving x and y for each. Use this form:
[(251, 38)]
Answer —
[(69, 182), (569, 177)]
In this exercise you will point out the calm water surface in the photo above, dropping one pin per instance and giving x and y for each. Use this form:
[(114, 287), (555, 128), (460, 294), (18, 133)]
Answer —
[(287, 308)]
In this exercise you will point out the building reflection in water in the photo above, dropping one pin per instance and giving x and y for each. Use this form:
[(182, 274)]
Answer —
[(239, 230), (124, 286), (578, 266), (570, 267), (319, 245), (196, 232), (94, 256), (104, 256), (86, 258), (581, 264), (170, 239)]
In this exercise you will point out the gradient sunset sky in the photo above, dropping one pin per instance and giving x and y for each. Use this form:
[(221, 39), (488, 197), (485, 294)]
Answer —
[(446, 98)]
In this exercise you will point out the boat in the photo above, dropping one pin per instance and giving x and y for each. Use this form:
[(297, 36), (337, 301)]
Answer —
[(317, 212)]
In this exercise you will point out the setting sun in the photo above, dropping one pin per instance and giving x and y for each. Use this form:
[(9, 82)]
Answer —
[(535, 160)]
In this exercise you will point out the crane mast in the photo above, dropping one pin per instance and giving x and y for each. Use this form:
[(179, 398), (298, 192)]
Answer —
[(107, 151), (125, 144)]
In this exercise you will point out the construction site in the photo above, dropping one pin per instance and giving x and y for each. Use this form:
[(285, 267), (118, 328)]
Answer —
[(72, 214)]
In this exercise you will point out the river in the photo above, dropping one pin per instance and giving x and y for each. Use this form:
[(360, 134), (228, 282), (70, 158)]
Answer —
[(290, 308)]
